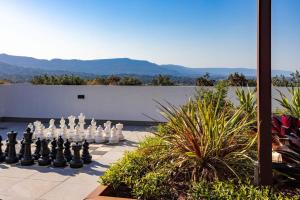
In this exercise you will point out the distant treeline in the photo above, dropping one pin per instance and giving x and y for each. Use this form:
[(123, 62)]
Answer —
[(235, 79)]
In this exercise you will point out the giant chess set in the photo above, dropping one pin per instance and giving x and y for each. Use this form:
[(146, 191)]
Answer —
[(66, 142)]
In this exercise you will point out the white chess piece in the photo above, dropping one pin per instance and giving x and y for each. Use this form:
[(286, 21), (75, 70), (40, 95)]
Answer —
[(30, 125), (88, 136), (114, 139), (42, 134), (51, 123), (51, 132), (99, 135), (81, 123), (106, 132), (76, 137), (119, 127), (62, 123), (63, 133), (93, 126), (37, 129)]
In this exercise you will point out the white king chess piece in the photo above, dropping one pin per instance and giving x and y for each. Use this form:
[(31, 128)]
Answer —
[(81, 123), (88, 136), (76, 137), (99, 135), (119, 127), (113, 139)]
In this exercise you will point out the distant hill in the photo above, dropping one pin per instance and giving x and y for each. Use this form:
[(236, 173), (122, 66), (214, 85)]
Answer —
[(114, 66)]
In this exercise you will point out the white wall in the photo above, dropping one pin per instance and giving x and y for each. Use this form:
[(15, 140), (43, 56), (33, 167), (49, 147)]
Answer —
[(128, 103)]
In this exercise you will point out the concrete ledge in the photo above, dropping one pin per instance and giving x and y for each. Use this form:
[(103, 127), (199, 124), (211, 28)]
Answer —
[(46, 120)]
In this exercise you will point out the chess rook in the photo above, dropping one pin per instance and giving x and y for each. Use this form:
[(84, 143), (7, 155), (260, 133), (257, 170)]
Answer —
[(76, 161)]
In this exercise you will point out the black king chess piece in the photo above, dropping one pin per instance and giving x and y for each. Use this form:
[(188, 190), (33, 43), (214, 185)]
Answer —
[(27, 158), (76, 161), (59, 160), (37, 151), (53, 149), (21, 151), (67, 151), (45, 151), (2, 156), (86, 156), (11, 150)]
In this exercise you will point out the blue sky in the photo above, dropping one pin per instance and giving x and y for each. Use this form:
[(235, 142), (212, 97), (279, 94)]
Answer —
[(194, 33)]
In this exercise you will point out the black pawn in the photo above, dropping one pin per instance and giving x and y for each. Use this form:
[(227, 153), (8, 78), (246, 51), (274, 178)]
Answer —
[(27, 158), (21, 152), (2, 155), (45, 151), (76, 161), (67, 151), (86, 156), (53, 149), (60, 160), (37, 151), (11, 150)]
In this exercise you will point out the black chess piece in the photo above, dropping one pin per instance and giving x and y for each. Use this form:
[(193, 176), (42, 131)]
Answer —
[(37, 151), (59, 160), (86, 156), (2, 155), (53, 149), (11, 150), (76, 161), (45, 151), (27, 158), (6, 148), (21, 152), (67, 151)]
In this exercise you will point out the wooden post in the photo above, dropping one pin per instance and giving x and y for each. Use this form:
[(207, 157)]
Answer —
[(264, 92)]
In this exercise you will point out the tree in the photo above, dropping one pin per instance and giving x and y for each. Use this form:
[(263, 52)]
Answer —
[(295, 78), (204, 81), (162, 80), (113, 80), (130, 81), (237, 79)]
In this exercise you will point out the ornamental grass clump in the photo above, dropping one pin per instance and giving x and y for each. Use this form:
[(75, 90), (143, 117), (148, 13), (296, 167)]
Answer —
[(208, 141), (292, 106)]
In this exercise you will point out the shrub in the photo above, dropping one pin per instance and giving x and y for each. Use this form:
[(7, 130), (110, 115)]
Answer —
[(223, 190), (208, 141), (247, 101), (291, 107), (162, 80)]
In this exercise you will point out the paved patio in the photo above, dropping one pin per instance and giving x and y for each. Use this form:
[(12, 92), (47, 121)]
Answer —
[(47, 183)]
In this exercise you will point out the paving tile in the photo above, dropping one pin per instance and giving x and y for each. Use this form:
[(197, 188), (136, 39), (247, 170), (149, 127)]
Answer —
[(7, 182), (17, 172), (69, 191), (30, 189)]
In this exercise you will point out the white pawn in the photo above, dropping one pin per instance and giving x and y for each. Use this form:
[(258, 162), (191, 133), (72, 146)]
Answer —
[(51, 132), (88, 136), (93, 126), (119, 127), (114, 139), (76, 137), (106, 133), (99, 135)]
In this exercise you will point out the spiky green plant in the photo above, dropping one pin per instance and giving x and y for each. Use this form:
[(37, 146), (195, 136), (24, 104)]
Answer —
[(208, 141), (247, 100), (292, 106)]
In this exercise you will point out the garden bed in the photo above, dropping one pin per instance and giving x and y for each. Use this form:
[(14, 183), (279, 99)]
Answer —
[(108, 193)]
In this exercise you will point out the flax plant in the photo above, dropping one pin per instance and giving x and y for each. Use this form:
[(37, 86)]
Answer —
[(209, 141), (291, 107)]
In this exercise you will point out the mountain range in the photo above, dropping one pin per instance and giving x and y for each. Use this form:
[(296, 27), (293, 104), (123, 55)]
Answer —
[(11, 65)]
